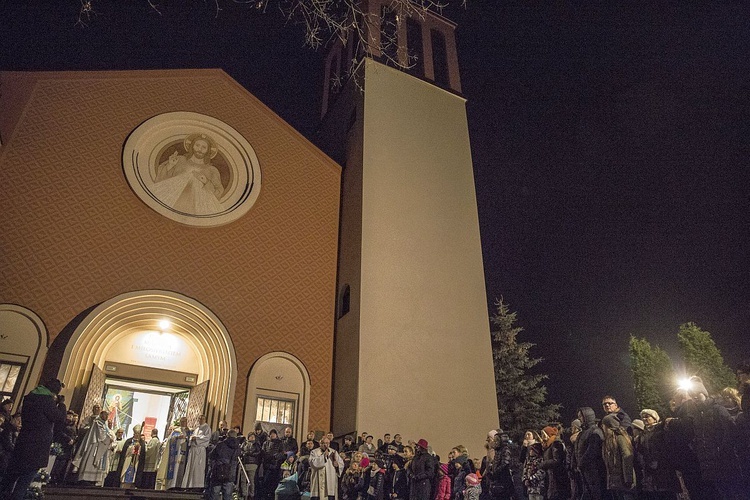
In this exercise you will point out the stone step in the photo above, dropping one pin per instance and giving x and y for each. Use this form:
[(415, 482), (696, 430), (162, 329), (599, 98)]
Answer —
[(78, 493)]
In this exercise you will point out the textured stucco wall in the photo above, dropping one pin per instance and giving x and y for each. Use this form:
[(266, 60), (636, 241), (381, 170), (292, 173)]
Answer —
[(73, 234)]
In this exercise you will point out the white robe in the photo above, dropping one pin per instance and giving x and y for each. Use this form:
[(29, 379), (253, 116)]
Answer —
[(171, 468), (324, 476), (189, 187), (93, 455), (195, 471)]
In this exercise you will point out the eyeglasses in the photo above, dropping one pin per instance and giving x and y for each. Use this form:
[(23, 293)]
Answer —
[(608, 403)]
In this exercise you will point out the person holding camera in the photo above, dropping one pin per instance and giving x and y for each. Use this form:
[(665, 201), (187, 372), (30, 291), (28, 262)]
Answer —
[(43, 408)]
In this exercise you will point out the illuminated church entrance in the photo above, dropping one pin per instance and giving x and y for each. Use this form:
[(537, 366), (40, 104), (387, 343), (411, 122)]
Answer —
[(150, 357), (150, 406)]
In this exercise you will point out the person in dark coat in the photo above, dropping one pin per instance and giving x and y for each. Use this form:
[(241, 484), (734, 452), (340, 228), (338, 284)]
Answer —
[(8, 436), (396, 486), (588, 450), (223, 457), (288, 442), (273, 456), (66, 437), (349, 446), (43, 408), (251, 458), (5, 409), (499, 473), (706, 427), (420, 472), (553, 463), (656, 459), (376, 481), (619, 459)]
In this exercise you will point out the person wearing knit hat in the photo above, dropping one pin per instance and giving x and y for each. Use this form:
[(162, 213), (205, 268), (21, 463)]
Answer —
[(549, 434), (638, 426), (553, 463), (261, 436), (658, 475), (649, 417), (473, 488), (443, 491), (491, 435)]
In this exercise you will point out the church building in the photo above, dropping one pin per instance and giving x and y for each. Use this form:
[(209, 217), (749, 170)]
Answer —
[(170, 247)]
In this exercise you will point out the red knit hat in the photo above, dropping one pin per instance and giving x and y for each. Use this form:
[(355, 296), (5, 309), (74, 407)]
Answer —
[(550, 431)]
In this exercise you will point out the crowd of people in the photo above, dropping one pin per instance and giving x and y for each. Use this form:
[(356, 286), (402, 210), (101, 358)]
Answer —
[(699, 451)]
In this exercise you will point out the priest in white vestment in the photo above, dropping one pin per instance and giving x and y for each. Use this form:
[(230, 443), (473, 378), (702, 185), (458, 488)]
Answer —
[(174, 457), (92, 458), (195, 471), (326, 466)]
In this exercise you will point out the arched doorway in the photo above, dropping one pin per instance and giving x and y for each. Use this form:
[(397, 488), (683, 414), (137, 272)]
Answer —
[(156, 346), (278, 394), (23, 348)]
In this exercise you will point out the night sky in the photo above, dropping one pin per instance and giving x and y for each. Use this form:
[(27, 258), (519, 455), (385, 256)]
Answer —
[(611, 147)]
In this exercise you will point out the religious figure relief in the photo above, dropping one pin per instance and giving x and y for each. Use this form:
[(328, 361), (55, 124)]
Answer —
[(192, 168), (189, 183)]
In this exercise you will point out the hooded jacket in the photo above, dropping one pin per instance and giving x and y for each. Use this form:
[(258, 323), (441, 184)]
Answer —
[(588, 447)]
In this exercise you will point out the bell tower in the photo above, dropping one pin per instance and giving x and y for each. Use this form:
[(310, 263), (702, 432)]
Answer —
[(412, 347)]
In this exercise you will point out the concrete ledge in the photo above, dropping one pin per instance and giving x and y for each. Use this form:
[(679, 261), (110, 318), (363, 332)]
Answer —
[(78, 492)]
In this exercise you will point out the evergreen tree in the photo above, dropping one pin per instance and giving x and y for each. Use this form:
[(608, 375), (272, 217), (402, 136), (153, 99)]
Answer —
[(703, 358), (653, 375), (521, 398)]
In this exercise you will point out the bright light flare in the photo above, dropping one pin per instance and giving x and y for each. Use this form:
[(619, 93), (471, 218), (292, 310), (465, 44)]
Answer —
[(685, 384), (164, 325)]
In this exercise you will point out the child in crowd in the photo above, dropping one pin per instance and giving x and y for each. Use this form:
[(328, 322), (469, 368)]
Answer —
[(288, 467), (473, 488)]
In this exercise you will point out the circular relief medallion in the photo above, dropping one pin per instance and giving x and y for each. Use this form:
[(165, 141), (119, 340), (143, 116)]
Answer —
[(192, 168)]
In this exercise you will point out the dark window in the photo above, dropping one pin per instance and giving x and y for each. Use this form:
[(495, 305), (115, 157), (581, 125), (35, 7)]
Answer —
[(352, 120), (344, 301), (439, 58), (389, 35), (414, 48)]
